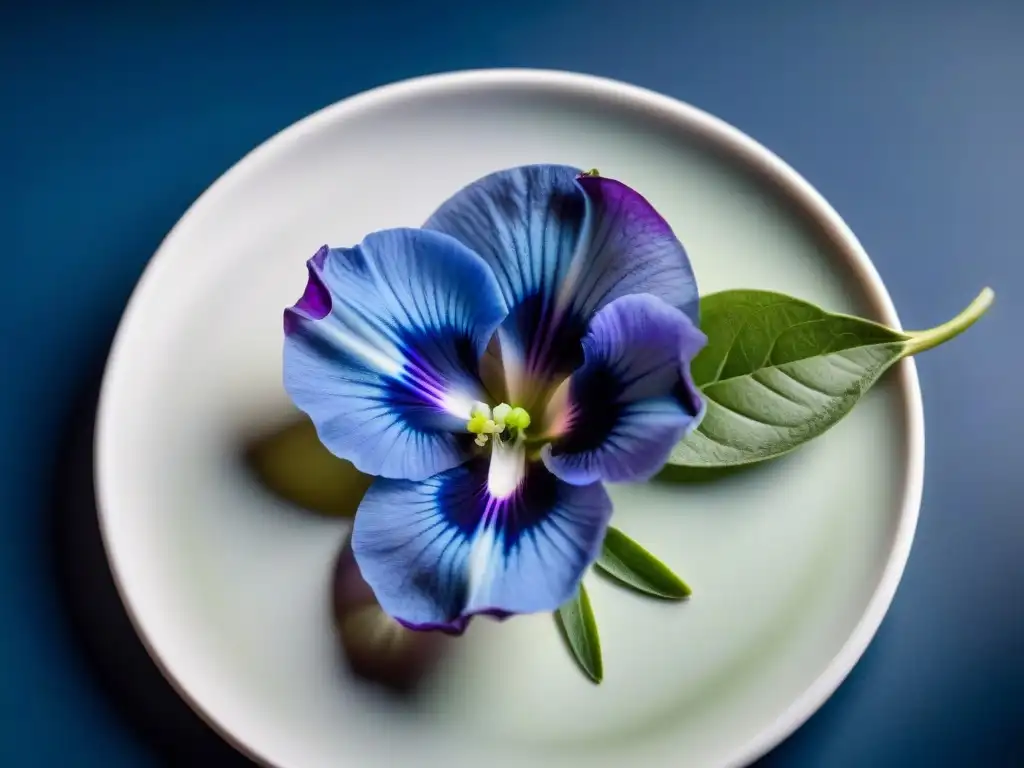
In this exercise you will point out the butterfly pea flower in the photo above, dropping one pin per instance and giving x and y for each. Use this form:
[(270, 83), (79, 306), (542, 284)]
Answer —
[(492, 369)]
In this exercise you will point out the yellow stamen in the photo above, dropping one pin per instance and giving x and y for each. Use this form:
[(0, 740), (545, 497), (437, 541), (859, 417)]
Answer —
[(501, 412), (477, 424), (518, 418)]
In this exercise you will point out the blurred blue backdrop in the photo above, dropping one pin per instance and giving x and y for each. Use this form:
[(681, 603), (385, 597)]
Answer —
[(908, 116)]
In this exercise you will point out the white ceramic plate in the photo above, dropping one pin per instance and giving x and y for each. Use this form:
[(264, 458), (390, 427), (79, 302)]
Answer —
[(793, 564)]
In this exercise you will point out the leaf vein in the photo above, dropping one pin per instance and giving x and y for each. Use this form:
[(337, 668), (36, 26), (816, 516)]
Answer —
[(778, 366), (778, 392), (739, 331), (811, 387), (752, 419)]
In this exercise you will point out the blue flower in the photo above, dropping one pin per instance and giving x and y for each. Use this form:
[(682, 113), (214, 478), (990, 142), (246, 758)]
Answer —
[(492, 369)]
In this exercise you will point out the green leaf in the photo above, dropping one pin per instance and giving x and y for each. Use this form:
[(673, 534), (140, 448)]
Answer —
[(778, 371), (626, 561), (576, 621)]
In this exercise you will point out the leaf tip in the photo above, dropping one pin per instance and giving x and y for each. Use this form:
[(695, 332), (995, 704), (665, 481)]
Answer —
[(675, 588), (628, 564), (578, 627), (682, 590)]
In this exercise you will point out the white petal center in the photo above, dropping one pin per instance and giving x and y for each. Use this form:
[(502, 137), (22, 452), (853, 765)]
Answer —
[(507, 469)]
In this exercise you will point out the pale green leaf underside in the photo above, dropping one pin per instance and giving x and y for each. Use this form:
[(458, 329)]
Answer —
[(628, 562), (776, 373), (578, 626)]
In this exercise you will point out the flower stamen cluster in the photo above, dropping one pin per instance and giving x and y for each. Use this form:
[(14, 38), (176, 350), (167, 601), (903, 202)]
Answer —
[(485, 421)]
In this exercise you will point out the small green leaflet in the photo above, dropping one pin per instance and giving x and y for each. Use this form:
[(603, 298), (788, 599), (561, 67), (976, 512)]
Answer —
[(626, 561), (578, 626), (778, 371)]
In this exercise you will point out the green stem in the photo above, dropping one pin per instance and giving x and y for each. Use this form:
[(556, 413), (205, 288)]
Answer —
[(922, 340)]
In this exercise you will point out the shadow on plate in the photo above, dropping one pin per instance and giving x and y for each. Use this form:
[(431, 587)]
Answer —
[(290, 463), (119, 661), (697, 475)]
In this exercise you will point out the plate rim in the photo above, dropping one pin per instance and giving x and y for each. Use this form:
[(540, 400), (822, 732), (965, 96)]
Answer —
[(722, 135)]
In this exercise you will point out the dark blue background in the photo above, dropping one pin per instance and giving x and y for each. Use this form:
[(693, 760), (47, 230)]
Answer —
[(908, 116)]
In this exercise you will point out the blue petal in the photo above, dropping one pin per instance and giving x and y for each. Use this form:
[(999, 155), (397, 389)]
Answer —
[(632, 400), (382, 350), (500, 537), (562, 245), (630, 249)]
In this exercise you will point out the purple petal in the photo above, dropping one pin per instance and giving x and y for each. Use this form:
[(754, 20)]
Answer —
[(562, 245), (382, 350), (315, 302), (631, 249), (633, 399), (498, 538)]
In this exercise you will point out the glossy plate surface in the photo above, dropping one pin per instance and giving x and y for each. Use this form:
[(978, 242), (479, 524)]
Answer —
[(792, 564)]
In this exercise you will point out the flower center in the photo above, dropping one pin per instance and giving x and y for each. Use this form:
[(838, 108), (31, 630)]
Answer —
[(503, 421)]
